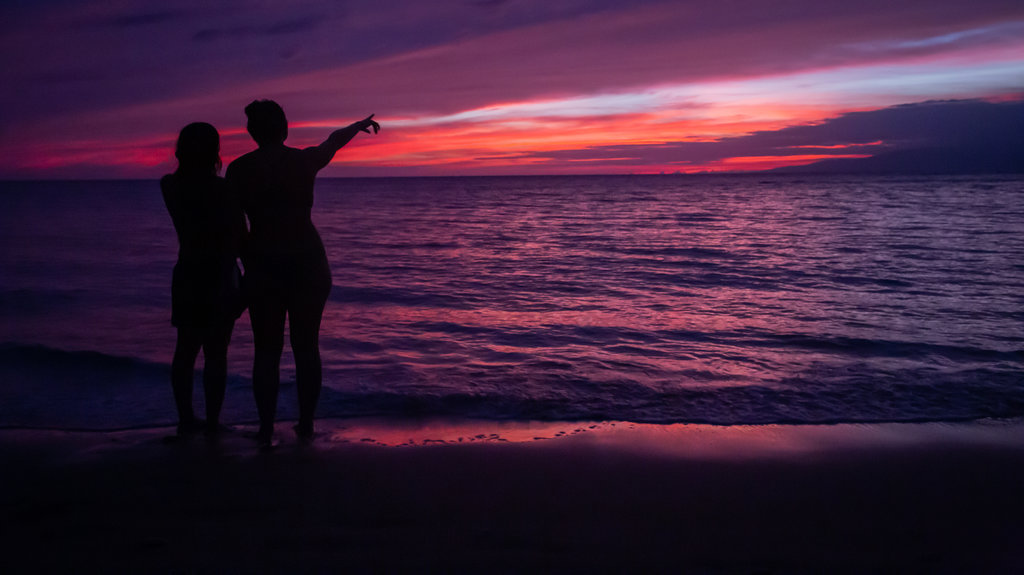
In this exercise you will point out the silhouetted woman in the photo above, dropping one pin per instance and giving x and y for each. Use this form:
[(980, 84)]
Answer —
[(286, 267), (205, 289)]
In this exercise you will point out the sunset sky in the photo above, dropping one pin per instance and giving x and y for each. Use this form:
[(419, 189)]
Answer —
[(100, 89)]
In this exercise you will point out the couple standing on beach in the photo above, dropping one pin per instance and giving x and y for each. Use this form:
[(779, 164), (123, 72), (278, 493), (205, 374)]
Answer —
[(286, 269)]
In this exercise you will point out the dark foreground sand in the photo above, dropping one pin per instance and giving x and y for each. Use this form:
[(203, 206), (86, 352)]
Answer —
[(912, 498)]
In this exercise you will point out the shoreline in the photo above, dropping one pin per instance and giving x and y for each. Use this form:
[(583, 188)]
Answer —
[(408, 496), (675, 440)]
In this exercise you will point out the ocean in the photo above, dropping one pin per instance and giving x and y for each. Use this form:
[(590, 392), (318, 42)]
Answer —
[(727, 300)]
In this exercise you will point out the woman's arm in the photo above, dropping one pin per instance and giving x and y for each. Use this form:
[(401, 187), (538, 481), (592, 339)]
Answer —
[(168, 191), (342, 136)]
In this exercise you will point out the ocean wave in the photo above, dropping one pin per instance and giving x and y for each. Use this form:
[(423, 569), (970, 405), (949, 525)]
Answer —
[(46, 387), (395, 296), (637, 341), (16, 302), (966, 396), (694, 252), (861, 347), (101, 366)]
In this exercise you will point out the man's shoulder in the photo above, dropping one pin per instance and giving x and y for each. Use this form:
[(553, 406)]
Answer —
[(240, 161), (244, 161)]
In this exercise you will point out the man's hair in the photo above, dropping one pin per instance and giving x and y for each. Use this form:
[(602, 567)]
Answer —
[(267, 124)]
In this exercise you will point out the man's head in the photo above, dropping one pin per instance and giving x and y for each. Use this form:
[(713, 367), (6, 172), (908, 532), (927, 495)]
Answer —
[(267, 124)]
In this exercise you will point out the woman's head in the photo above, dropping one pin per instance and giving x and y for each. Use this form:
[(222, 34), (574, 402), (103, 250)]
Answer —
[(267, 124), (198, 149)]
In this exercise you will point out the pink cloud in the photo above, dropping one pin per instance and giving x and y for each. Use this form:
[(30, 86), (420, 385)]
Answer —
[(463, 100)]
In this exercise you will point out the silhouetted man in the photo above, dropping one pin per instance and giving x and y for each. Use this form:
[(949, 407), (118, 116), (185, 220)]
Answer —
[(286, 270)]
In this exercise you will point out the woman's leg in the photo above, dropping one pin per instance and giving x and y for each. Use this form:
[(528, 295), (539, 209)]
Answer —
[(182, 372), (215, 371)]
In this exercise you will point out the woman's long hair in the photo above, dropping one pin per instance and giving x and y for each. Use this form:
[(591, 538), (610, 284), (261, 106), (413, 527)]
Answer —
[(198, 150)]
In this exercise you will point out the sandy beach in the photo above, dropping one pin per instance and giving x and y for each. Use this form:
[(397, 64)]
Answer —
[(480, 497)]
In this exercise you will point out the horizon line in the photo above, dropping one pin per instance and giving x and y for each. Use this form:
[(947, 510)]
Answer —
[(771, 172)]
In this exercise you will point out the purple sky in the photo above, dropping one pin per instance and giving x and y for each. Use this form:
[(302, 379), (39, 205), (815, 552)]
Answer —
[(100, 89)]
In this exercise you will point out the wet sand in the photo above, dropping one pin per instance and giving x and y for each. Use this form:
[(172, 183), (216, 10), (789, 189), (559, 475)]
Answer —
[(434, 496)]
